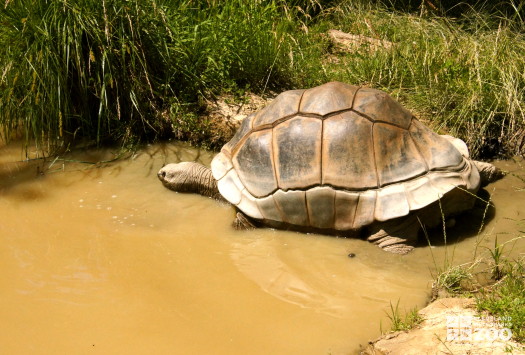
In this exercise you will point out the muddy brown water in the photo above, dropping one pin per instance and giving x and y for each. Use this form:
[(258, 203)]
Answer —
[(102, 259)]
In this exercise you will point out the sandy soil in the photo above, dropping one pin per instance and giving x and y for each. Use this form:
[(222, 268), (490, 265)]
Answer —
[(450, 326)]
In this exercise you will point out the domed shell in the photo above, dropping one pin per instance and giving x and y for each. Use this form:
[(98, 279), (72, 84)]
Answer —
[(337, 156)]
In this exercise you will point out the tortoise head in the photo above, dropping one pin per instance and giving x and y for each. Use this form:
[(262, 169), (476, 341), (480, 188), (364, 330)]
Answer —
[(178, 177), (189, 177)]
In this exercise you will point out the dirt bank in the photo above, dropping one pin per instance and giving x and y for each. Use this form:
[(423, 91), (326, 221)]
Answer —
[(450, 326)]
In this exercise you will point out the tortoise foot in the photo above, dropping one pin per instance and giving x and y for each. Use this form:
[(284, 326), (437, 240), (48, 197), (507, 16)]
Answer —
[(397, 236), (242, 222)]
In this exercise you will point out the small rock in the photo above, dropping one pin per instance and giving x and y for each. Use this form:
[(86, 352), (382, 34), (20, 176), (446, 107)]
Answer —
[(350, 42)]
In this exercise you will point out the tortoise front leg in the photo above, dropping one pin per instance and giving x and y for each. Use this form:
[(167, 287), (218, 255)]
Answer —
[(242, 222), (397, 236)]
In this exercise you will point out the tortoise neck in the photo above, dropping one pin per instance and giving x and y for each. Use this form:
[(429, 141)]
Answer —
[(207, 185)]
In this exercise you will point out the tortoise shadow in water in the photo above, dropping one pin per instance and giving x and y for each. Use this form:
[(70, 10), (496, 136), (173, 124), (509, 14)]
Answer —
[(464, 226)]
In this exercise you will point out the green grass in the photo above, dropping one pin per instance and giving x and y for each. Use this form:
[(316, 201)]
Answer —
[(116, 70), (503, 298), (501, 294), (462, 76), (453, 278), (75, 69), (402, 322), (136, 71), (506, 299)]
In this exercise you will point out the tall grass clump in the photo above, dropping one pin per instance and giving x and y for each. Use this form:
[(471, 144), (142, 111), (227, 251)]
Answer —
[(399, 322), (121, 70), (464, 76), (81, 68), (506, 299), (132, 70)]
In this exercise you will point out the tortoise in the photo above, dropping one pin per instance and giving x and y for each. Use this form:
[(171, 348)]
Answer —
[(338, 159)]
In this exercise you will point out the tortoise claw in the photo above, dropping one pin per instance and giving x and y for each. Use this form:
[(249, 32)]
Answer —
[(242, 222)]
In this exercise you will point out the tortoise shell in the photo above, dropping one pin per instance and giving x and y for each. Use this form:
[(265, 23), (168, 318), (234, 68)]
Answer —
[(338, 157)]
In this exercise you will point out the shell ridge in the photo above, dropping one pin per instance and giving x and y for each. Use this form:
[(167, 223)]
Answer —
[(226, 152), (220, 165), (274, 164), (464, 173), (355, 210), (438, 192), (441, 192), (457, 168), (293, 204), (321, 154), (240, 142), (307, 114), (229, 187), (308, 221), (334, 220), (248, 204), (407, 199), (366, 215), (391, 202), (353, 98), (363, 115), (389, 124), (301, 100), (278, 208), (311, 115), (374, 120), (284, 216), (374, 155), (418, 149), (268, 208), (321, 210), (473, 174)]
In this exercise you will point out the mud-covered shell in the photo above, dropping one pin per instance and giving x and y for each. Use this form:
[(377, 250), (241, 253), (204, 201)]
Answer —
[(338, 157)]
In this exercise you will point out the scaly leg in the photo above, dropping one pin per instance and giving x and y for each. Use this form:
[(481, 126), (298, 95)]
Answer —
[(242, 222), (397, 236)]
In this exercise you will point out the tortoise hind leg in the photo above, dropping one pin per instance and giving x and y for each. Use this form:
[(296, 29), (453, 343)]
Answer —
[(397, 236), (242, 222)]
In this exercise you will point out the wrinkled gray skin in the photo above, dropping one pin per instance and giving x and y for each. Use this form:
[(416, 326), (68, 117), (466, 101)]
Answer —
[(487, 172), (395, 236), (190, 177)]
